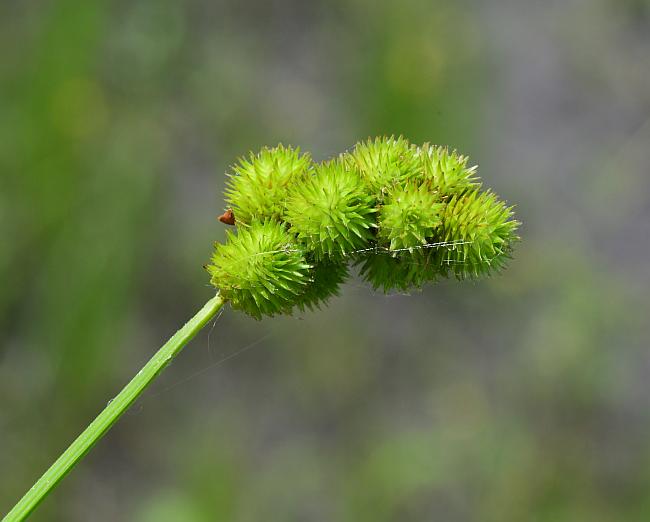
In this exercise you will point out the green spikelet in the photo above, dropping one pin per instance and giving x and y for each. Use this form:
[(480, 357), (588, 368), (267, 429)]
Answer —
[(257, 190), (385, 162), (446, 171), (330, 212), (409, 217), (403, 271), (260, 270), (484, 226), (325, 280)]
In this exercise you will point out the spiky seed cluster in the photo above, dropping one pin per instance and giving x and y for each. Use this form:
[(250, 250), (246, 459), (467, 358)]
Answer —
[(402, 271), (384, 162), (260, 270), (447, 171), (481, 229), (258, 187), (330, 212), (407, 215), (326, 279)]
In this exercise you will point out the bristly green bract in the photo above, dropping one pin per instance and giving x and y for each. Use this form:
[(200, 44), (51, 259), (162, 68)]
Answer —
[(331, 212), (407, 215), (258, 187)]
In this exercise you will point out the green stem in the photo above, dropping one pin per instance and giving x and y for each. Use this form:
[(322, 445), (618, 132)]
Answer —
[(113, 411)]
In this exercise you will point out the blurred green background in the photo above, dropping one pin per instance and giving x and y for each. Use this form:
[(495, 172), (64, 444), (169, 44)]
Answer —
[(525, 397)]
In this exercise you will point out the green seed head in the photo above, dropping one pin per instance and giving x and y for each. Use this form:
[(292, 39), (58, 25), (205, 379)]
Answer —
[(409, 217), (260, 270), (331, 212), (257, 189), (406, 215), (402, 271), (480, 230), (447, 172), (384, 162), (325, 280)]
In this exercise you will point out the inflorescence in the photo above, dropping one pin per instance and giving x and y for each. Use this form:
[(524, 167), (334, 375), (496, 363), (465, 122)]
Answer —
[(407, 215)]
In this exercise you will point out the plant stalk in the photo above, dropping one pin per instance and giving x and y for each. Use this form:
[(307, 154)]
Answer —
[(113, 411)]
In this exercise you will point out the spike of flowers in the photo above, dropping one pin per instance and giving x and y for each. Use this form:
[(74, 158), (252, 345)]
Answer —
[(407, 215), (326, 279), (384, 162), (260, 270), (401, 271), (446, 171), (258, 188), (480, 230), (330, 212)]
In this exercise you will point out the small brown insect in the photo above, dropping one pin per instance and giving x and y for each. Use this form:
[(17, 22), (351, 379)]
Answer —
[(228, 217)]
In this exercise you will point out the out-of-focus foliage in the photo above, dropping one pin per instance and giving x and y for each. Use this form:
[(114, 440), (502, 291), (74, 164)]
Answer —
[(520, 398)]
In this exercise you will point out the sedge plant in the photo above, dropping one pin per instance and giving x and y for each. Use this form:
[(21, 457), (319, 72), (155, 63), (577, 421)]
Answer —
[(405, 215)]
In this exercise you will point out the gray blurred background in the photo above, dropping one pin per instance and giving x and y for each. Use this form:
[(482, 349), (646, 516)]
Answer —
[(525, 397)]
